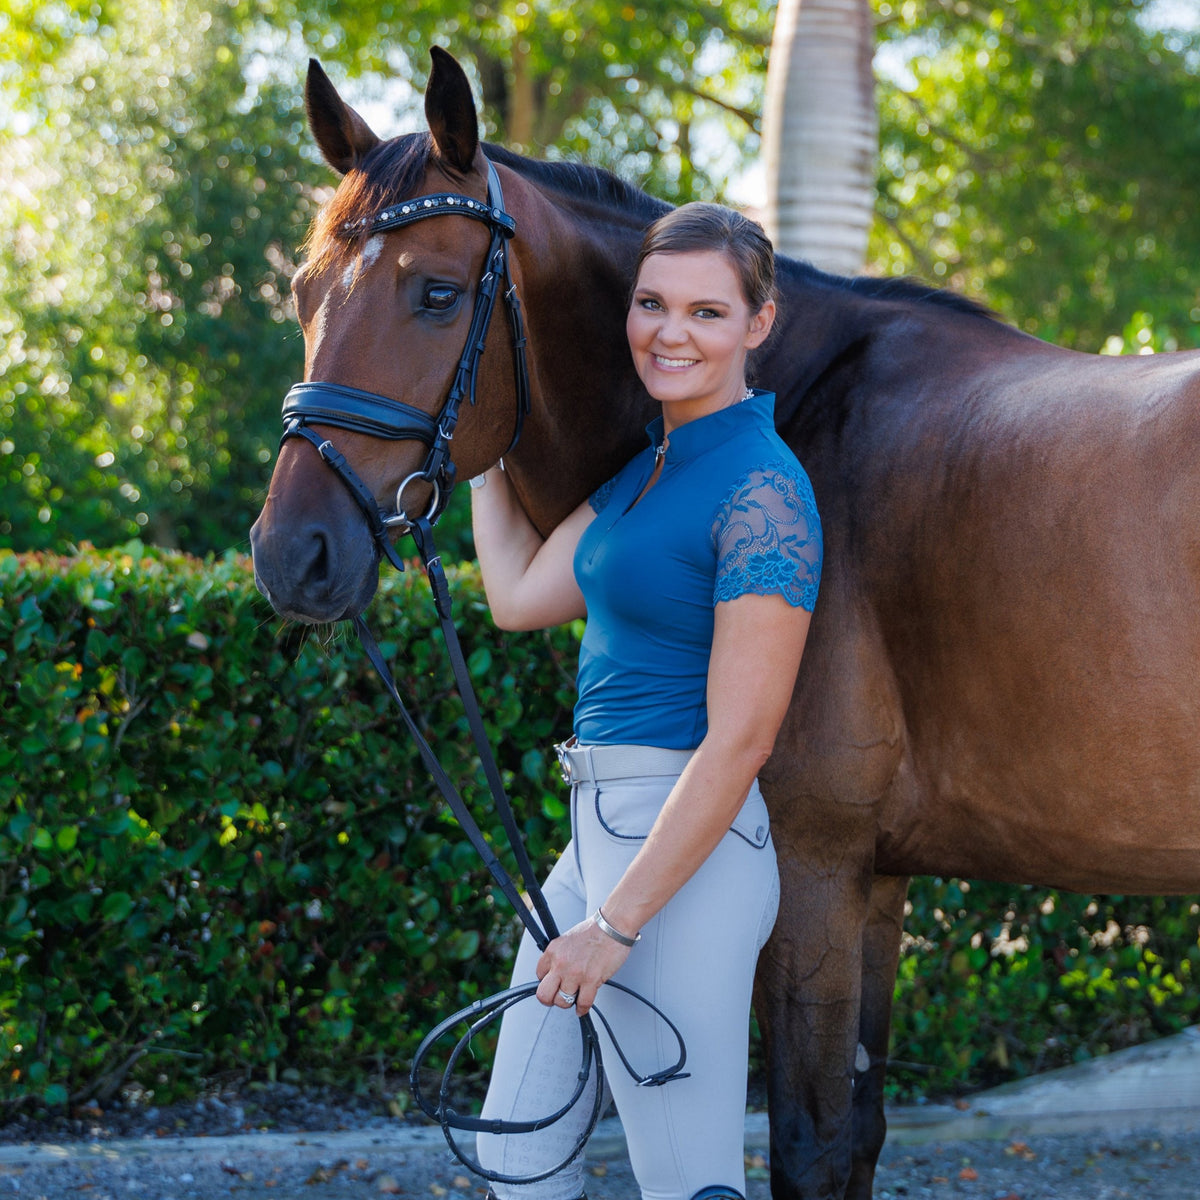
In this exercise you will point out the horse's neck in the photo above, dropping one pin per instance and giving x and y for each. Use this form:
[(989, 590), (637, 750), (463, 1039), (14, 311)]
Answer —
[(589, 407), (817, 323)]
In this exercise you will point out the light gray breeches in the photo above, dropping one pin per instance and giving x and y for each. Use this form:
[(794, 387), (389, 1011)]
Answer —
[(695, 962)]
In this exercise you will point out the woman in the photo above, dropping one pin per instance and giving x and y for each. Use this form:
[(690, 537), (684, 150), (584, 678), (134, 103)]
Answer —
[(697, 567)]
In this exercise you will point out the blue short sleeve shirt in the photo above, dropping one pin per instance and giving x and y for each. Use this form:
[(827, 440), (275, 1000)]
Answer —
[(732, 512)]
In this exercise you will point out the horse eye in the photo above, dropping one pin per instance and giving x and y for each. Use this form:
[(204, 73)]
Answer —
[(440, 297)]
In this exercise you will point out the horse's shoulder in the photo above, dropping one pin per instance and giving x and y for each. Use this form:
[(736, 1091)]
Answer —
[(844, 738)]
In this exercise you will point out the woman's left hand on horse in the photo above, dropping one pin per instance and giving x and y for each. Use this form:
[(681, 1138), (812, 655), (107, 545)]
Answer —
[(576, 963)]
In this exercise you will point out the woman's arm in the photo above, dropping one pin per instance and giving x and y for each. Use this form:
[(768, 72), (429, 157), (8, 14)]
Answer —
[(756, 650), (529, 581)]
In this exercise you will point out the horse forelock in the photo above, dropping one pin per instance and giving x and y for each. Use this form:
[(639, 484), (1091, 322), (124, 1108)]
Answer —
[(392, 171)]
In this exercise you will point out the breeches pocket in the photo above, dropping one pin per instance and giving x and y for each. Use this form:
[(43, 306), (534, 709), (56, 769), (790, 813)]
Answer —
[(627, 809)]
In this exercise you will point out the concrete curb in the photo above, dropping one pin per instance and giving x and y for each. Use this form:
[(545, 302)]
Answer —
[(1152, 1087), (1155, 1086)]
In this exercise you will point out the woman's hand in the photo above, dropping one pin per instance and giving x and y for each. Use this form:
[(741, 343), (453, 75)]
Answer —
[(576, 964)]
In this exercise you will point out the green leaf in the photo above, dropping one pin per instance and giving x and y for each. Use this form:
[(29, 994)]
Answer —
[(480, 662), (19, 825), (465, 944), (116, 907)]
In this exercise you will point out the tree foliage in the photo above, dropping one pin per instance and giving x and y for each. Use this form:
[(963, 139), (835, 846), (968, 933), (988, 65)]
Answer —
[(159, 178), (155, 201), (632, 85), (1045, 158)]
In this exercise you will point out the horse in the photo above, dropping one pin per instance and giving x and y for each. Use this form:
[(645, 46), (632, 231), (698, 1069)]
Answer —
[(1000, 681)]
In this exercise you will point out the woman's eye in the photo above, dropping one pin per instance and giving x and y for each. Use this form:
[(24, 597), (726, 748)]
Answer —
[(440, 297)]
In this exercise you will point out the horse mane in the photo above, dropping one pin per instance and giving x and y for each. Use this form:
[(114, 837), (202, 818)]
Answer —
[(394, 168), (904, 288), (591, 185)]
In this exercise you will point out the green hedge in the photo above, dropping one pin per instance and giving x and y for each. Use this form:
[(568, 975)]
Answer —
[(1000, 981), (218, 849), (219, 852)]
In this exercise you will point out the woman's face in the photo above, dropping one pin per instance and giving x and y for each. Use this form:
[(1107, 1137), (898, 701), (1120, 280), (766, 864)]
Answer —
[(689, 329)]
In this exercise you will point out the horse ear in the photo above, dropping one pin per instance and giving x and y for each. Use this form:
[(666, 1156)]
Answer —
[(344, 137), (450, 111)]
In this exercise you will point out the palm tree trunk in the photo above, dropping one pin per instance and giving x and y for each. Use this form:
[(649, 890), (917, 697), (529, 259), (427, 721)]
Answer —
[(821, 132), (522, 108)]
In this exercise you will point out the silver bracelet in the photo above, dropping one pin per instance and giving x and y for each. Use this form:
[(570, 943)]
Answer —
[(614, 933), (478, 481)]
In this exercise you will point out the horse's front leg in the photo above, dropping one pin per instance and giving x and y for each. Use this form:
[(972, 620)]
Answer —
[(881, 956), (807, 994)]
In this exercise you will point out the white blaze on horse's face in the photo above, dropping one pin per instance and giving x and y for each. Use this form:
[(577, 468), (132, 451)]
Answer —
[(316, 329), (316, 334), (370, 252)]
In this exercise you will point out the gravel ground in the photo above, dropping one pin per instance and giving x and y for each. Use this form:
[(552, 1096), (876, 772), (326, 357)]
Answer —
[(306, 1158)]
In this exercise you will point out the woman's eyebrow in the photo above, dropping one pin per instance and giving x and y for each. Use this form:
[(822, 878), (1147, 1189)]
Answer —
[(655, 295)]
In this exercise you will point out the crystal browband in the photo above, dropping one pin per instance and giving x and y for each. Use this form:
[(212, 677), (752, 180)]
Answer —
[(424, 206)]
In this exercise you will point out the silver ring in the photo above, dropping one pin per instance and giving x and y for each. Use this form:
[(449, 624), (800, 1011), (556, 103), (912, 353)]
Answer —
[(399, 517), (567, 1000)]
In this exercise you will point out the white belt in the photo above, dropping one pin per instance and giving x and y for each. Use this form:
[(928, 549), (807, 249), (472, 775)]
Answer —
[(595, 764)]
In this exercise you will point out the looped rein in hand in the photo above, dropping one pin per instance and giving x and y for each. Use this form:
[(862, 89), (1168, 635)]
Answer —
[(380, 416)]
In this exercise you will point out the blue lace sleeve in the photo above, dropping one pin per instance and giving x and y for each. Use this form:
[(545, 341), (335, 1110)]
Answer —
[(768, 537), (599, 498)]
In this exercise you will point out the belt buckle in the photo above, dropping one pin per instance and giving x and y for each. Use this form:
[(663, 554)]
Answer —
[(564, 761)]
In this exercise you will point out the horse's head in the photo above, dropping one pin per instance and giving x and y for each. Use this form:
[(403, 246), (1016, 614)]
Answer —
[(405, 264)]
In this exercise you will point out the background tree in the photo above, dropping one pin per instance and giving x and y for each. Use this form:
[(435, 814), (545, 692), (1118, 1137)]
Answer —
[(154, 203), (1045, 158), (158, 180), (820, 133), (665, 94)]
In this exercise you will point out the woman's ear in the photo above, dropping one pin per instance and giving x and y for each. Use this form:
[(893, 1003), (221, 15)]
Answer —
[(760, 325)]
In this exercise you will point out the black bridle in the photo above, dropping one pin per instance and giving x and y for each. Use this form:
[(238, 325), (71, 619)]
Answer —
[(379, 416)]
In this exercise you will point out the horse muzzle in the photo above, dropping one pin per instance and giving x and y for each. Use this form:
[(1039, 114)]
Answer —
[(317, 570)]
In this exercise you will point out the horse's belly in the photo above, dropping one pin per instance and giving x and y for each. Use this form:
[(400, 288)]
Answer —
[(1023, 858), (1020, 822)]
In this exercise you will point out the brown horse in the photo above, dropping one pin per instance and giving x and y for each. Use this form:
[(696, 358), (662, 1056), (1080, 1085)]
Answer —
[(1001, 680)]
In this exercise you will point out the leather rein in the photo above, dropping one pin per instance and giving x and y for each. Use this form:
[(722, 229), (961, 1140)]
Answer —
[(360, 411)]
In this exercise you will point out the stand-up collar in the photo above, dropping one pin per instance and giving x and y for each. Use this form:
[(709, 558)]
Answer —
[(702, 434)]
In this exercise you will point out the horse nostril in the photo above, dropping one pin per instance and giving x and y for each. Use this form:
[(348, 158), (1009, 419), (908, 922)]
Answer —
[(317, 569)]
